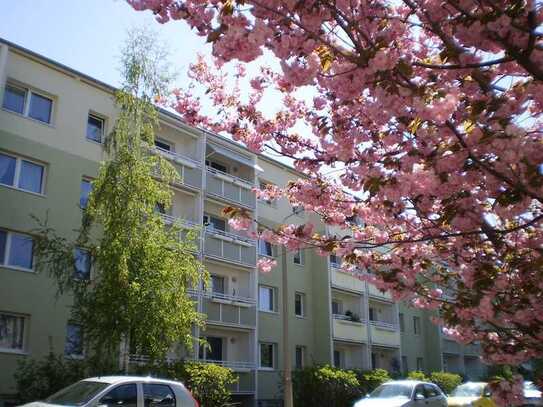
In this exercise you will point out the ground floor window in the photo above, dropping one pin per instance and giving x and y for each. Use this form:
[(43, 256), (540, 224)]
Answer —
[(12, 332)]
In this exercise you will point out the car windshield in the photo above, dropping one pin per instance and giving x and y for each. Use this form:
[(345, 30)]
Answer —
[(386, 391), (468, 390), (77, 394), (530, 386)]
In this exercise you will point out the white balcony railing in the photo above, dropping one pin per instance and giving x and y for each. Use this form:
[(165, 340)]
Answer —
[(230, 188), (231, 236), (169, 219), (224, 297), (348, 318), (229, 363), (179, 158), (385, 325)]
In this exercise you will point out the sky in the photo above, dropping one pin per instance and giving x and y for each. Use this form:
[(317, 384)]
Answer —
[(87, 35)]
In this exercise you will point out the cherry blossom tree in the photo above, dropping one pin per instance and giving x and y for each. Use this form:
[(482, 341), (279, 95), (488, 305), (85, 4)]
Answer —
[(423, 120)]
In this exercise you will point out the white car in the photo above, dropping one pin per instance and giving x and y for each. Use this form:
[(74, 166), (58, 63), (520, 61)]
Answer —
[(532, 395), (404, 393), (121, 391)]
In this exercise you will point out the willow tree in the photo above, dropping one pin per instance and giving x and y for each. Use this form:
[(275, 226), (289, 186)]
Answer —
[(137, 297)]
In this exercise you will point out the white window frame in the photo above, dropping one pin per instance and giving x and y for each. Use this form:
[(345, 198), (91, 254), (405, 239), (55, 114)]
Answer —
[(7, 250), (17, 176), (417, 327), (274, 356), (224, 283), (301, 256), (274, 299), (302, 303), (263, 243), (100, 118), (75, 355), (166, 142), (29, 91), (25, 318)]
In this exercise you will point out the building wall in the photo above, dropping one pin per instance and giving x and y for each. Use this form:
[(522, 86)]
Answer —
[(69, 157)]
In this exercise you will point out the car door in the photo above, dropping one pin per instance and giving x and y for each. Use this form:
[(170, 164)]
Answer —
[(123, 395), (434, 396), (158, 395), (419, 396)]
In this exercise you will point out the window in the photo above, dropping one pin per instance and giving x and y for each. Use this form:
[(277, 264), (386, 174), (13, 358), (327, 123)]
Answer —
[(28, 103), (84, 193), (337, 358), (82, 264), (212, 222), (337, 307), (300, 357), (430, 391), (155, 395), (373, 360), (217, 166), (299, 257), (95, 128), (265, 248), (125, 395), (160, 208), (266, 298), (373, 314), (74, 340), (16, 250), (420, 364), (12, 332), (22, 174), (402, 322), (163, 145), (405, 366), (335, 261), (267, 357), (213, 349), (419, 391), (217, 284), (299, 304), (416, 325)]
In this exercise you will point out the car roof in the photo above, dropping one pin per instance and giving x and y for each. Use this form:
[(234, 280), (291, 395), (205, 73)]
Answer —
[(407, 382), (126, 379)]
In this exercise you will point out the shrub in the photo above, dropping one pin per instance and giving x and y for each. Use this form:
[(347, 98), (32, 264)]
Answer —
[(325, 386), (417, 375), (38, 379), (446, 381), (207, 382), (369, 380)]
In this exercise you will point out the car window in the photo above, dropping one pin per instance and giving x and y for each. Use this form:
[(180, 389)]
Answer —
[(77, 394), (125, 395), (419, 390), (157, 395), (430, 391)]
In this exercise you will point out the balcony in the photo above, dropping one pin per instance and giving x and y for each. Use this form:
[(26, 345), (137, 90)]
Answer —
[(376, 293), (348, 330), (450, 346), (229, 188), (346, 281), (384, 333), (189, 169), (230, 247), (472, 349), (229, 310)]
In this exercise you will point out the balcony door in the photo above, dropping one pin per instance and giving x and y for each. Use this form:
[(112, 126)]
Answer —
[(214, 350)]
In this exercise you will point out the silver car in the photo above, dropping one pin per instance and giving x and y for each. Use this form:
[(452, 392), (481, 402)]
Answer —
[(404, 393), (125, 391), (532, 395)]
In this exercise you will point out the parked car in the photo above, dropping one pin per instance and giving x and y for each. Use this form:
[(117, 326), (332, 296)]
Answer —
[(474, 394), (125, 391), (404, 393), (532, 395)]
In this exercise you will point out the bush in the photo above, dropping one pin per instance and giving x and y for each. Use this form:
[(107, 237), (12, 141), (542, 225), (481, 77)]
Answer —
[(207, 382), (369, 380), (417, 375), (38, 379), (325, 386), (446, 381)]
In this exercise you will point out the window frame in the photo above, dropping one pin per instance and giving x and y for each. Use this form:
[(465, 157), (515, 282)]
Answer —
[(23, 349), (273, 347), (144, 384), (401, 321), (166, 143), (420, 366), (210, 226), (224, 288), (417, 328), (265, 244), (18, 170), (300, 348), (29, 91), (100, 118), (300, 255), (89, 257), (300, 295), (7, 252), (273, 297)]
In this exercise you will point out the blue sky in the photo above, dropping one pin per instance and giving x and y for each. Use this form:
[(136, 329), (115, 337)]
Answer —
[(87, 34)]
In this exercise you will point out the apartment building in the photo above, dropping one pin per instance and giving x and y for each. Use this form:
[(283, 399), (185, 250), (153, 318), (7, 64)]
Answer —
[(53, 121)]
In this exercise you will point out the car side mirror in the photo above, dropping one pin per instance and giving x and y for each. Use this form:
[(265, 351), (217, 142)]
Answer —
[(419, 396)]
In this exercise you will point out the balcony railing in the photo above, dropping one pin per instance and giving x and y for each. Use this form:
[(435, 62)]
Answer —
[(348, 330), (384, 335), (233, 299), (179, 158), (169, 219), (376, 293), (229, 247), (346, 281), (385, 325), (235, 365), (229, 313), (230, 188)]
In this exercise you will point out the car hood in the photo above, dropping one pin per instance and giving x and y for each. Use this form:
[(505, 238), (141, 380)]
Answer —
[(377, 402)]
